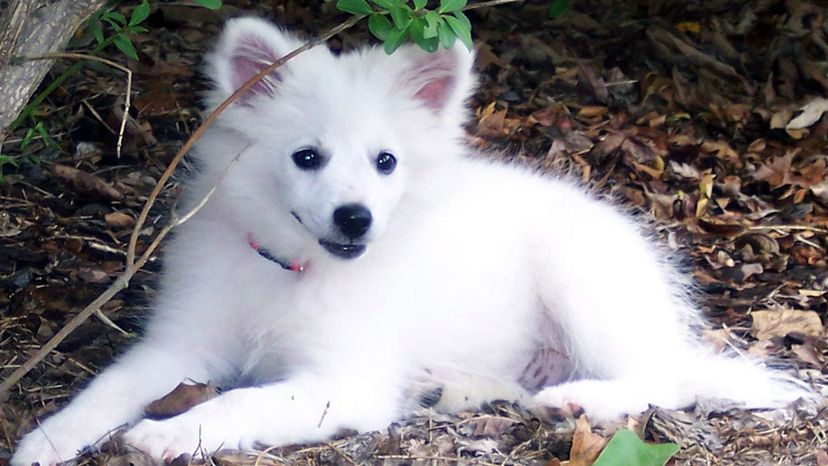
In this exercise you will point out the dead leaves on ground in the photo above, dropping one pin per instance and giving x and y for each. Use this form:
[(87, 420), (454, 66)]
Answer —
[(181, 399)]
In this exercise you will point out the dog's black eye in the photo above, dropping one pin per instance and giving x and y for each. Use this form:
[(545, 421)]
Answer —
[(308, 159), (386, 163)]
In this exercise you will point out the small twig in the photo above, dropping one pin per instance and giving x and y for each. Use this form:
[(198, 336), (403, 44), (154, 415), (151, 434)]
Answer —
[(787, 227), (324, 413), (127, 99), (490, 3), (108, 322), (456, 459), (212, 190), (341, 453), (262, 453)]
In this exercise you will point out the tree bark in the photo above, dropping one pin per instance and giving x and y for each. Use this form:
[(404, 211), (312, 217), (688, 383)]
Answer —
[(31, 28)]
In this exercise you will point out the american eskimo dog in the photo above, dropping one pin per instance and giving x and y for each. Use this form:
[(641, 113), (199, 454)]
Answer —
[(358, 249)]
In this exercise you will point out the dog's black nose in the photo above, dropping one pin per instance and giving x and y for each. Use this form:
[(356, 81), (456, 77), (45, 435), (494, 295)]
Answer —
[(353, 220)]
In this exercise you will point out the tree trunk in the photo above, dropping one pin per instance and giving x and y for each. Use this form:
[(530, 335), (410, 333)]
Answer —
[(31, 28)]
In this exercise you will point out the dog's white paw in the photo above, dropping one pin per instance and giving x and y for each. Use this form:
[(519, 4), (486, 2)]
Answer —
[(164, 440), (194, 432), (59, 446), (599, 399)]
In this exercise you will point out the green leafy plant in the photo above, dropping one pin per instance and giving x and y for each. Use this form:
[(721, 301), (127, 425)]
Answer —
[(396, 21), (37, 129), (121, 28), (557, 7), (626, 449)]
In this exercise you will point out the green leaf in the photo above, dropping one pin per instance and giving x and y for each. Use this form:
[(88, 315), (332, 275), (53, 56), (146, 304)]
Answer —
[(450, 6), (209, 4), (115, 25), (463, 18), (116, 17), (387, 4), (402, 16), (140, 13), (446, 35), (6, 160), (379, 26), (420, 4), (557, 7), (27, 139), (138, 30), (395, 38), (125, 45), (97, 32), (417, 33), (356, 7), (460, 30), (626, 449), (432, 19)]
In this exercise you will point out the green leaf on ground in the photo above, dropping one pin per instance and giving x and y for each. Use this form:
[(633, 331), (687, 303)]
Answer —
[(626, 449)]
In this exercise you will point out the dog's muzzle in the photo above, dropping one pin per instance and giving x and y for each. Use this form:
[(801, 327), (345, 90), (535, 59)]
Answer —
[(344, 251)]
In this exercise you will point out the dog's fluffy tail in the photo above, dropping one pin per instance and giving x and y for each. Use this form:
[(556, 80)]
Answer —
[(740, 379)]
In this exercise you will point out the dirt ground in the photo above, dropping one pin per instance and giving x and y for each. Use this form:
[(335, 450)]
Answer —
[(702, 115)]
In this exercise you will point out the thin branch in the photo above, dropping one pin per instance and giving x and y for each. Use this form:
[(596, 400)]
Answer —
[(788, 227), (127, 99), (212, 189), (490, 3)]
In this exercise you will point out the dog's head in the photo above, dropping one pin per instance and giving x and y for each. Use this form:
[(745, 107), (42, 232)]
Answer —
[(332, 142)]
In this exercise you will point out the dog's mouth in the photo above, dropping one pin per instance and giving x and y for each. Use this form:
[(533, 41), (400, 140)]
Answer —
[(344, 251)]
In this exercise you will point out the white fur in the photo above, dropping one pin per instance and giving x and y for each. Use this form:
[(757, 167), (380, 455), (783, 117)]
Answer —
[(471, 267)]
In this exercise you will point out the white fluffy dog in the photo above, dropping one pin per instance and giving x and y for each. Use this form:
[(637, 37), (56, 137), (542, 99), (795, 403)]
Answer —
[(357, 251)]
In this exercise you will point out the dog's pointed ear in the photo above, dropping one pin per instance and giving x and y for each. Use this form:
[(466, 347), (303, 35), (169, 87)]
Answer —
[(441, 80), (246, 47)]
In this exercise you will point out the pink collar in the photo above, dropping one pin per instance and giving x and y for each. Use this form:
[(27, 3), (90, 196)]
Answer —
[(292, 265)]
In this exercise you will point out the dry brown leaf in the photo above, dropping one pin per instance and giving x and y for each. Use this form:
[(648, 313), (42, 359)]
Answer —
[(718, 338), (779, 323), (92, 274), (778, 172), (684, 170), (490, 426), (180, 399), (119, 219), (85, 183), (811, 113), (717, 227), (586, 445), (809, 354), (591, 111), (822, 457)]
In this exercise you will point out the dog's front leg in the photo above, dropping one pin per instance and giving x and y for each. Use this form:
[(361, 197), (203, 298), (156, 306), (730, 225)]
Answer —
[(114, 398), (304, 408)]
